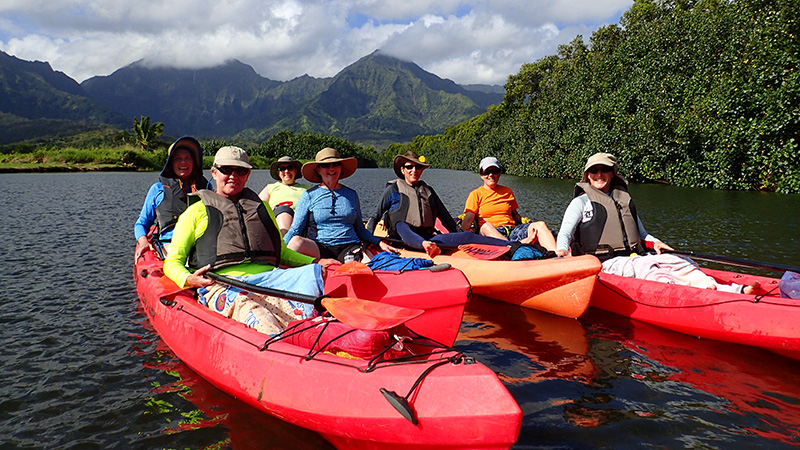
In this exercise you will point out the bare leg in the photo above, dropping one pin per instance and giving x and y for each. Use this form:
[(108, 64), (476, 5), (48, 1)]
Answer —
[(304, 245), (539, 231), (284, 222), (487, 229)]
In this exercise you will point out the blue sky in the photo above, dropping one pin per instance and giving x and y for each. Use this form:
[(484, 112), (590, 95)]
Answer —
[(478, 41)]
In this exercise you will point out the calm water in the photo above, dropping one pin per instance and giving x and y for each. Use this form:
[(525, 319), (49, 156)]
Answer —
[(82, 369)]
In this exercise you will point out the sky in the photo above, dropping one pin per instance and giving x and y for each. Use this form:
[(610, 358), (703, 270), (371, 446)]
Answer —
[(469, 41)]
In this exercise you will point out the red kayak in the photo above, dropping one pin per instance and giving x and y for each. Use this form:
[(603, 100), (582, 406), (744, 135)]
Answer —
[(763, 319), (437, 399)]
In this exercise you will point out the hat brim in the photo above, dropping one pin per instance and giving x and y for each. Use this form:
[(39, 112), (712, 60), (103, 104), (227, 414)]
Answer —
[(309, 169), (232, 162), (273, 168), (400, 160)]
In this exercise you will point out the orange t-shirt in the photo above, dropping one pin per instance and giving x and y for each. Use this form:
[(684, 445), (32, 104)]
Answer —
[(492, 205)]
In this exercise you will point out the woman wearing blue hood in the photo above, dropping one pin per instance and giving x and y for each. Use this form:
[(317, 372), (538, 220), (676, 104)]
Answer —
[(167, 198)]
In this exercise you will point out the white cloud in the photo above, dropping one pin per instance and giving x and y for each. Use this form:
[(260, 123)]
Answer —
[(468, 41)]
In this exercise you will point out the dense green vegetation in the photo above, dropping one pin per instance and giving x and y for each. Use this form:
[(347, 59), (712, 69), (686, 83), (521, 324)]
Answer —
[(695, 93), (94, 151)]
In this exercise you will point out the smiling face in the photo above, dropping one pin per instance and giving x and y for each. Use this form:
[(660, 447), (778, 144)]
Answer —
[(287, 173), (490, 177), (329, 173), (599, 176), (182, 163), (411, 173), (231, 185)]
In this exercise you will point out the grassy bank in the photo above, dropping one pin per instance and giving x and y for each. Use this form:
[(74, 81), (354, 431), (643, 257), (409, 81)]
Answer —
[(119, 158)]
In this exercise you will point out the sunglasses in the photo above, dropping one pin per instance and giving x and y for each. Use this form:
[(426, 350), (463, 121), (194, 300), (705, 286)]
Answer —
[(601, 168), (491, 171), (413, 166), (333, 164), (285, 168), (227, 170)]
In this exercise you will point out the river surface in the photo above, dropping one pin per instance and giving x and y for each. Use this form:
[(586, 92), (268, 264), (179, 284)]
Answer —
[(82, 368)]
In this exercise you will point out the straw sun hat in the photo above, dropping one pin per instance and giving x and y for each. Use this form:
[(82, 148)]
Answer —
[(328, 155)]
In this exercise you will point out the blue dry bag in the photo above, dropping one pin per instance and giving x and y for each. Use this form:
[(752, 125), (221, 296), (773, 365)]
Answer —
[(390, 261), (790, 285)]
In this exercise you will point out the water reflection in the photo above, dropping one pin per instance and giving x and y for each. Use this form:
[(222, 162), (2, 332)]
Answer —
[(207, 417), (700, 378), (555, 347)]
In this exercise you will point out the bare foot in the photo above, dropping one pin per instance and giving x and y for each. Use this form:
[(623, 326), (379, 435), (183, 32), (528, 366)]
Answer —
[(751, 289), (431, 248)]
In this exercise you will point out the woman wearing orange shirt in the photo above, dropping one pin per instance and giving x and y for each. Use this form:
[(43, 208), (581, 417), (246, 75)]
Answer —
[(495, 209)]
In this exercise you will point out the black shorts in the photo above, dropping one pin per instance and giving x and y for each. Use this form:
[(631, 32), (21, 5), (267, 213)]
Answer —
[(280, 209), (340, 251)]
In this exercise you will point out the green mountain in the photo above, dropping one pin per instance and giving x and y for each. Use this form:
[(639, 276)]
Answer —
[(377, 100), (37, 102), (380, 100)]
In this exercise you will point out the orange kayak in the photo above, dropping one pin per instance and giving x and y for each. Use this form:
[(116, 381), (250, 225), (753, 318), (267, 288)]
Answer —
[(561, 286)]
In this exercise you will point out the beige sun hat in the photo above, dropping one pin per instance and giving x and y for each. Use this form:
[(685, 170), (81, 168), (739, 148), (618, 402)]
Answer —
[(232, 156), (282, 161), (328, 155), (605, 159), (411, 157)]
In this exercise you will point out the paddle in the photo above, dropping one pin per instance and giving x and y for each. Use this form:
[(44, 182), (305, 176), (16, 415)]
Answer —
[(357, 313), (737, 261)]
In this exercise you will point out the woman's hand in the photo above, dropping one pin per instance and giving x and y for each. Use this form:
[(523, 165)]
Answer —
[(562, 252), (431, 248), (388, 248), (198, 279), (142, 245), (659, 246)]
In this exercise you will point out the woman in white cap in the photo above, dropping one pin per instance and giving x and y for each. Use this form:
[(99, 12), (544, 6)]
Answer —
[(495, 209), (284, 194), (328, 221), (231, 231), (601, 220), (409, 209)]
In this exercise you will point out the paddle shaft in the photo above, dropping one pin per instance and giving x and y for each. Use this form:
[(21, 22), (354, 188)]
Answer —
[(738, 261)]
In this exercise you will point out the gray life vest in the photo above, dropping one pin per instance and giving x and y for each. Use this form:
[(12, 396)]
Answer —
[(612, 230), (415, 207), (175, 201), (237, 232)]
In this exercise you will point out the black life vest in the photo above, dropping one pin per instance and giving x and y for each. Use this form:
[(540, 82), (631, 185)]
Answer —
[(416, 208), (237, 232), (175, 201), (612, 230)]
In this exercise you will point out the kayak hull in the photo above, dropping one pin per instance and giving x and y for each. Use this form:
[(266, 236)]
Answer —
[(763, 320), (561, 286), (332, 395)]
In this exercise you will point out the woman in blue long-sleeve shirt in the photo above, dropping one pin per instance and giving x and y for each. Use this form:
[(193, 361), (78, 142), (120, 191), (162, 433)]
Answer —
[(327, 221)]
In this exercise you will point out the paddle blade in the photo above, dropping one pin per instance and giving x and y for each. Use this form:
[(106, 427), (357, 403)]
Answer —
[(352, 268), (484, 251), (367, 315)]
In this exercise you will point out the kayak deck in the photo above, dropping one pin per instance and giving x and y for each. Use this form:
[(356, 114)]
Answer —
[(561, 286)]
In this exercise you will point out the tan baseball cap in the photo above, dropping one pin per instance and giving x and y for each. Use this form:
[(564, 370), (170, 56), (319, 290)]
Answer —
[(232, 156)]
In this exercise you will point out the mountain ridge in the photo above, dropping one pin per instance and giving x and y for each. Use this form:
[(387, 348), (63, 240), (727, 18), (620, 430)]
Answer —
[(377, 100)]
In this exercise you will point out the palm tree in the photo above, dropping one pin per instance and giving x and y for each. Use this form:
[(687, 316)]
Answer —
[(146, 135)]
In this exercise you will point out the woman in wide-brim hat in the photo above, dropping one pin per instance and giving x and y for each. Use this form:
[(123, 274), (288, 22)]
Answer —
[(284, 194), (327, 221)]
